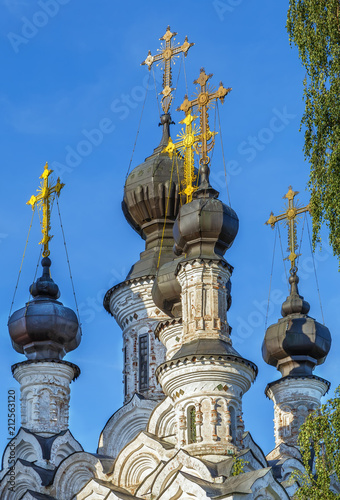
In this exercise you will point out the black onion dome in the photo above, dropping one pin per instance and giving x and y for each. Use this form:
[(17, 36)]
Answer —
[(297, 342), (44, 328), (151, 204), (148, 186), (205, 227), (166, 290)]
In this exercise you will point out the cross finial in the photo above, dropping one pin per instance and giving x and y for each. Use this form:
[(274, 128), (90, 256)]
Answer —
[(290, 218), (188, 139), (204, 101), (167, 52), (45, 192)]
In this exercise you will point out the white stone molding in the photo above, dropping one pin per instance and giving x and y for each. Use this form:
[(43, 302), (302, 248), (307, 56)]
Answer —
[(45, 395), (31, 495), (132, 306), (294, 399), (170, 333), (261, 486), (62, 447), (74, 472), (124, 425), (26, 478), (139, 459), (100, 491), (25, 446), (217, 396), (180, 487), (181, 461), (162, 422), (204, 299), (248, 442)]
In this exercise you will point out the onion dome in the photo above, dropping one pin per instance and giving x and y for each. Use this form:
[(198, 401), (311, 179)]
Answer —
[(206, 223), (44, 328), (166, 290), (205, 227), (297, 342), (151, 203)]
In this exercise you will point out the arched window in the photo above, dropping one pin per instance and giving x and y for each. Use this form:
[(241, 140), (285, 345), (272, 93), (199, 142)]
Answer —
[(232, 423), (191, 424), (143, 363)]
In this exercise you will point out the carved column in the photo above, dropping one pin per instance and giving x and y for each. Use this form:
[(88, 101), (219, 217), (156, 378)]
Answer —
[(293, 400), (45, 394), (204, 300)]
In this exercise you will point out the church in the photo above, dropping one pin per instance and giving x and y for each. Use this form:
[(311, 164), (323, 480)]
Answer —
[(181, 433)]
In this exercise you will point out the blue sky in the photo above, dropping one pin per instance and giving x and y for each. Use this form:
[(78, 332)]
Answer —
[(71, 67)]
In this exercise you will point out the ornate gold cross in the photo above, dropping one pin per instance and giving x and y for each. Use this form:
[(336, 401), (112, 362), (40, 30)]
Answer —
[(188, 139), (167, 53), (290, 216), (44, 198), (203, 101)]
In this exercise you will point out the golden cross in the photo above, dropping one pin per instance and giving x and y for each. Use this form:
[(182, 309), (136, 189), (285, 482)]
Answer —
[(203, 101), (186, 144), (290, 216), (44, 198), (167, 52)]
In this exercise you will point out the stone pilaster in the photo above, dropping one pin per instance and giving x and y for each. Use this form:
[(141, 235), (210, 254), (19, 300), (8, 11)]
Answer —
[(45, 395), (294, 399)]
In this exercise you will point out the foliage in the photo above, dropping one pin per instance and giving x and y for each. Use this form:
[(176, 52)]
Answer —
[(319, 441), (238, 466), (313, 26)]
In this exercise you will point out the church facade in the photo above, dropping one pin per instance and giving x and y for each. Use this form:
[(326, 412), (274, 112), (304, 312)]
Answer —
[(180, 433)]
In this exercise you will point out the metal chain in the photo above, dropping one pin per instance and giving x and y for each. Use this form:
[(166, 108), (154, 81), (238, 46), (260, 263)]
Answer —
[(68, 262), (283, 258), (140, 120), (22, 261), (316, 277), (271, 277), (166, 211), (223, 157)]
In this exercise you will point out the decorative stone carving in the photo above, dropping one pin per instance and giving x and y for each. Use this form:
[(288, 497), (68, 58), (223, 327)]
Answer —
[(204, 299), (124, 425), (294, 399), (45, 395), (132, 306)]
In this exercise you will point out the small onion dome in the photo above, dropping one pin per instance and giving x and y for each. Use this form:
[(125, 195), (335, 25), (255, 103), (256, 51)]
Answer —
[(147, 188), (205, 227), (166, 290), (44, 328), (296, 343)]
